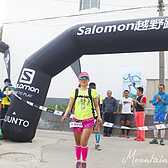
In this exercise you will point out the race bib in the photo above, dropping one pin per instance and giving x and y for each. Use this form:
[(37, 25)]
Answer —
[(107, 124), (75, 124), (160, 126), (143, 128), (8, 92), (58, 112)]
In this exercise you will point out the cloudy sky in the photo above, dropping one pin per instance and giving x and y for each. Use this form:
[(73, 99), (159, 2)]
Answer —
[(2, 11)]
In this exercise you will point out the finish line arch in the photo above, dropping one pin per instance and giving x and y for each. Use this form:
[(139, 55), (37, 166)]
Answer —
[(138, 35)]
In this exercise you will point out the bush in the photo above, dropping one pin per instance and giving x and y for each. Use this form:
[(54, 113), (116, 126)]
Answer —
[(60, 107)]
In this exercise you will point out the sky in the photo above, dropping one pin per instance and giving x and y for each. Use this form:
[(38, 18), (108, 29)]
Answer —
[(2, 11)]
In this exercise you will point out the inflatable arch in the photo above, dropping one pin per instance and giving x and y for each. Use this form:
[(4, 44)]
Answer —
[(4, 48), (138, 35)]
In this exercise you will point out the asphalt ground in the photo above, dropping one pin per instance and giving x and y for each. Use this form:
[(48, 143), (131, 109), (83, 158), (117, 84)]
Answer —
[(55, 149)]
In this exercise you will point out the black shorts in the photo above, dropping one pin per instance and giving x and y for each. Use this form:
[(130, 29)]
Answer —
[(95, 117), (126, 117)]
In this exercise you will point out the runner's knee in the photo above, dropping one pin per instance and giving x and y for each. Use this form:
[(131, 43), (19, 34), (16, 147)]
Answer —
[(128, 122), (122, 122), (96, 128)]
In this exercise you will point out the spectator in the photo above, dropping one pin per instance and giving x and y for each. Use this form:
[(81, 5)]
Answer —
[(6, 100), (125, 104), (139, 103), (2, 95), (109, 109), (92, 85), (160, 101)]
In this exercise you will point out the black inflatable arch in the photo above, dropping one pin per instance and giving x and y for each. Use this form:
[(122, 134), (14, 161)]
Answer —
[(138, 35)]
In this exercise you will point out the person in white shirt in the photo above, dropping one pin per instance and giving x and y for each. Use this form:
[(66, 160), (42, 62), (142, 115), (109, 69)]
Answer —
[(125, 104)]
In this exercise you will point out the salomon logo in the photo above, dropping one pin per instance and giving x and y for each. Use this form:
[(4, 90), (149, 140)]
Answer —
[(27, 76)]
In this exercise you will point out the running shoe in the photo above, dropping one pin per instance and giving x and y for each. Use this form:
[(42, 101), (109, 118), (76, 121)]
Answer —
[(140, 139), (108, 135), (123, 135), (136, 138), (97, 146), (105, 134), (83, 165), (78, 165), (154, 141), (162, 142), (127, 136)]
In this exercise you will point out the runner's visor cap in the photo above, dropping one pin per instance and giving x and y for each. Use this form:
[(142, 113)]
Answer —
[(83, 74)]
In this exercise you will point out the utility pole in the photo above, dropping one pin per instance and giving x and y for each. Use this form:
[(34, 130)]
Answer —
[(161, 53)]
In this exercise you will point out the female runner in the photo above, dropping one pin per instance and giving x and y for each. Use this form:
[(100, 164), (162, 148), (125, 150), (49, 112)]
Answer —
[(83, 113)]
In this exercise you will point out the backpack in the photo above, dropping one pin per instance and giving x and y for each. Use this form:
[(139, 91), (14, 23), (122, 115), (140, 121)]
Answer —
[(141, 100), (90, 97)]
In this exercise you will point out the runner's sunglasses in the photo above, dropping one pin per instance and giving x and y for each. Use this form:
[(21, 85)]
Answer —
[(83, 78)]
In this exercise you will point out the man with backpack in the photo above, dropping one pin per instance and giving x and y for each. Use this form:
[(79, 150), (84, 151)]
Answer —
[(139, 104), (6, 100), (92, 85), (84, 98)]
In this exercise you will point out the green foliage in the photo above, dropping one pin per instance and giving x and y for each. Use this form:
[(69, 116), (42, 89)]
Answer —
[(61, 107), (50, 106)]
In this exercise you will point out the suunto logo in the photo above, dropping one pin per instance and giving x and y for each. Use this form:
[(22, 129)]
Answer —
[(16, 121)]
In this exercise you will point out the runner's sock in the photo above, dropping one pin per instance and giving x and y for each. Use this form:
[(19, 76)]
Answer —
[(162, 133), (155, 133), (128, 129), (84, 153), (97, 136), (78, 152)]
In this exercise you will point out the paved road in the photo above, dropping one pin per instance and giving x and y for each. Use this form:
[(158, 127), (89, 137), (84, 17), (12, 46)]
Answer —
[(55, 149)]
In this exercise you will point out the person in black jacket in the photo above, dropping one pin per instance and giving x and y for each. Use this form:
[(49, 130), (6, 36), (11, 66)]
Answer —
[(2, 95), (109, 109)]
